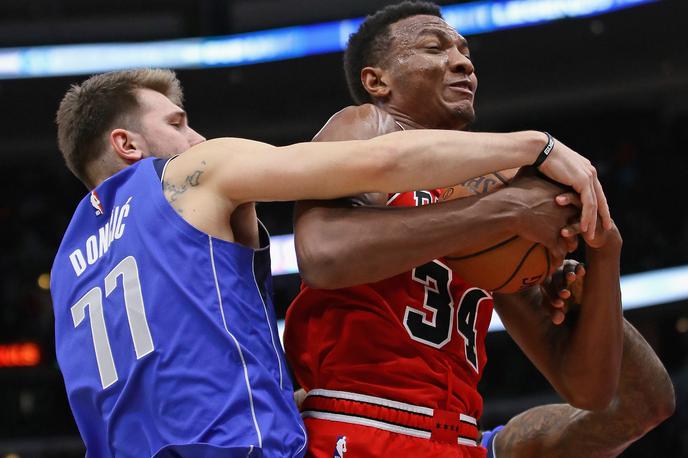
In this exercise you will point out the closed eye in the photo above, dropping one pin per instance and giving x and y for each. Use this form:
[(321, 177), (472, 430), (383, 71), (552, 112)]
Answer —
[(177, 119)]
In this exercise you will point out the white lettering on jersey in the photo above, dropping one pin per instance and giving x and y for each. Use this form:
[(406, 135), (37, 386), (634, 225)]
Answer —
[(98, 244)]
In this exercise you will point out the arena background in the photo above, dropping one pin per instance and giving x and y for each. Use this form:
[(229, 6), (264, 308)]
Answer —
[(613, 86)]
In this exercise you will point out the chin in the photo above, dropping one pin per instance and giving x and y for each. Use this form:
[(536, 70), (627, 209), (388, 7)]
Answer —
[(464, 116)]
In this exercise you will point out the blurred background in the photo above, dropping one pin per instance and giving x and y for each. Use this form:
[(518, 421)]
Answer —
[(611, 84)]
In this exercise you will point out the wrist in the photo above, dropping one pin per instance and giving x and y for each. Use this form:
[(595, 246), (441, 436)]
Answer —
[(531, 144), (610, 248), (544, 154)]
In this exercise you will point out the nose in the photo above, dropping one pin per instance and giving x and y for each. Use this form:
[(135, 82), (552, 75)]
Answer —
[(459, 63), (195, 138)]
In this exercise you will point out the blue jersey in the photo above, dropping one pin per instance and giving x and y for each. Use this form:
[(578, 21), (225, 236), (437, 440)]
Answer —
[(488, 441), (166, 337)]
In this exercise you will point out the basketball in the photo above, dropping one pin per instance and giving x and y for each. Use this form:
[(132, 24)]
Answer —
[(508, 265)]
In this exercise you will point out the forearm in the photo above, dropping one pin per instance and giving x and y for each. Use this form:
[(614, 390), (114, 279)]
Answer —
[(582, 357), (449, 157), (555, 431), (528, 322), (591, 353), (399, 161), (345, 246)]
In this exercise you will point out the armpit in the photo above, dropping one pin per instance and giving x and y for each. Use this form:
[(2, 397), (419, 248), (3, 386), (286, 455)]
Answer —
[(367, 199)]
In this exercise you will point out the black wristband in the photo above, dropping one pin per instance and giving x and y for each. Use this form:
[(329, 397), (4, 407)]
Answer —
[(545, 152)]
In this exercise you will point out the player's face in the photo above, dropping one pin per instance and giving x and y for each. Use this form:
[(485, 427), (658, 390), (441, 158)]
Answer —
[(164, 126), (430, 74)]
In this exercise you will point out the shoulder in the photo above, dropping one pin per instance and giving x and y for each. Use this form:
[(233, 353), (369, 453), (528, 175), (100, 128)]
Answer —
[(216, 153), (360, 122), (212, 164)]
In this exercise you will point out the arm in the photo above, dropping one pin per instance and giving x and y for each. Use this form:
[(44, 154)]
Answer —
[(339, 244), (354, 241), (645, 398), (245, 171), (582, 358)]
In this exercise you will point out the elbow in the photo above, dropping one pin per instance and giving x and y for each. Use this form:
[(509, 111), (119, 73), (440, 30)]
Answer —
[(651, 402), (667, 406), (657, 410), (316, 278), (644, 414), (660, 406), (317, 265)]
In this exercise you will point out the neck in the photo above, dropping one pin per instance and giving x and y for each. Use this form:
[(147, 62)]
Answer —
[(101, 169), (408, 122)]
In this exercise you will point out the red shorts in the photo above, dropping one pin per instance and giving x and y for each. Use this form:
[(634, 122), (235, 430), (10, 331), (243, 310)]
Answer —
[(350, 425)]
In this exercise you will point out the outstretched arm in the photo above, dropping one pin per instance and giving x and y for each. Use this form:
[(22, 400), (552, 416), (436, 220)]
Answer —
[(246, 171), (644, 398), (581, 358)]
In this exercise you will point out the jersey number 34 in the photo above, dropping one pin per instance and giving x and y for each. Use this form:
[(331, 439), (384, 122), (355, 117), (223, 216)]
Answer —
[(434, 327)]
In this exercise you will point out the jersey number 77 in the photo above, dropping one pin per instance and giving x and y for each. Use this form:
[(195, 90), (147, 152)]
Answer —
[(136, 315)]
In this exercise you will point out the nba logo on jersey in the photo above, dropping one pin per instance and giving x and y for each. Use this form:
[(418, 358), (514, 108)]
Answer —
[(340, 448), (95, 201)]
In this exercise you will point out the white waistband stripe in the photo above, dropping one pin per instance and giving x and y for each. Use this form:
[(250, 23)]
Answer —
[(366, 422), (427, 411), (469, 442), (372, 400), (468, 419)]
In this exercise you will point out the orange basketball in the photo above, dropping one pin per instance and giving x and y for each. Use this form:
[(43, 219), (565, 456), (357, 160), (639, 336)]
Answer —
[(506, 266)]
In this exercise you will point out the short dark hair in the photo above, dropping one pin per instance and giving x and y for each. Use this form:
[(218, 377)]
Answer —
[(88, 110), (368, 46)]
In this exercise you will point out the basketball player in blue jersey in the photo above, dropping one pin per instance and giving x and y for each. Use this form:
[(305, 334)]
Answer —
[(165, 329)]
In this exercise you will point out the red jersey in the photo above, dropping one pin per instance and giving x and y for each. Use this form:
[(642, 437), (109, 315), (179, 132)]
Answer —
[(417, 337)]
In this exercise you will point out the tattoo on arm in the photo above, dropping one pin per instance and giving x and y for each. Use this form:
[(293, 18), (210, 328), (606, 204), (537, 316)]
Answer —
[(525, 435), (480, 185), (173, 190)]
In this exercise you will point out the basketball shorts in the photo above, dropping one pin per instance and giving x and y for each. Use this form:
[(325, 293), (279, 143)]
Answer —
[(343, 424)]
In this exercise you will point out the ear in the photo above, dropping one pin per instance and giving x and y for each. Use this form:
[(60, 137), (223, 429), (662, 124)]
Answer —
[(126, 145), (375, 81)]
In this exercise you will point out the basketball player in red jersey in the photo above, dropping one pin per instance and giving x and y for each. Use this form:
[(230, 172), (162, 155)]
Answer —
[(392, 366)]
